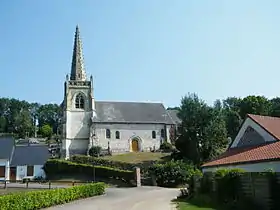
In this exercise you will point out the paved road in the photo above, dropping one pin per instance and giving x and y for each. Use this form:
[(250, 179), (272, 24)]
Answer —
[(141, 198)]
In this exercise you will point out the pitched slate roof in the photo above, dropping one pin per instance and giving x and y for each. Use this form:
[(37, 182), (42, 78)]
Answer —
[(265, 152), (30, 155), (6, 147), (131, 112), (174, 116)]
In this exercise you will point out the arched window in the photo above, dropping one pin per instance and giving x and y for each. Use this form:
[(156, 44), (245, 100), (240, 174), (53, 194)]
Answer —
[(80, 101), (153, 134), (108, 133), (117, 135), (162, 133)]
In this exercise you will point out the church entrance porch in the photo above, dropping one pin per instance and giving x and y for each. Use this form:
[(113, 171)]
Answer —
[(134, 145)]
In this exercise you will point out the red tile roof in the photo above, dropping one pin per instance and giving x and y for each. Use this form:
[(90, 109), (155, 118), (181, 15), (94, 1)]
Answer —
[(237, 155), (264, 152), (270, 124)]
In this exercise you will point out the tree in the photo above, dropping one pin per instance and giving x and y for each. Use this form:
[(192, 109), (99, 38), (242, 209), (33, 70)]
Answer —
[(196, 142), (23, 123), (218, 105), (232, 122), (255, 105), (46, 131), (215, 141), (275, 107), (49, 114), (19, 117), (232, 103)]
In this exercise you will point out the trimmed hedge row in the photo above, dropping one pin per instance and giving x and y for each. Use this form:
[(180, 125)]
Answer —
[(63, 167), (33, 200), (114, 164)]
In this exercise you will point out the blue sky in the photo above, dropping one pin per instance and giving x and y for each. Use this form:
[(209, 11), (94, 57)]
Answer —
[(142, 50)]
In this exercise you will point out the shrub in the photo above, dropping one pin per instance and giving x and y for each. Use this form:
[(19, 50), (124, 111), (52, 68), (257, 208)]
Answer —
[(166, 147), (33, 200), (228, 183), (172, 173), (109, 163), (95, 151), (63, 167)]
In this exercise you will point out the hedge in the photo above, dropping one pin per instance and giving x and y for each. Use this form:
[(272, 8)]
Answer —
[(114, 164), (173, 173), (33, 200), (225, 188), (63, 167)]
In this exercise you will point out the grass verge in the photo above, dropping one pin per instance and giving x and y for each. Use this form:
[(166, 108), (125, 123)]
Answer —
[(201, 202), (138, 157)]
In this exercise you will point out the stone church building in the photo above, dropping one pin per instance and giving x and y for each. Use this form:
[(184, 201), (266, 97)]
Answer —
[(121, 126)]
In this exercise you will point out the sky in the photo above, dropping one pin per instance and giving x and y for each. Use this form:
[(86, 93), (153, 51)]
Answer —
[(141, 50)]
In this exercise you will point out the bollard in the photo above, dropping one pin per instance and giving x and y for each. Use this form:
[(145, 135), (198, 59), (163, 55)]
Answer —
[(27, 183), (93, 173), (73, 183), (5, 184), (50, 185), (138, 177), (154, 181)]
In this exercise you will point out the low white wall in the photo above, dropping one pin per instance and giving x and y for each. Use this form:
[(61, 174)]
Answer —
[(22, 172), (252, 167)]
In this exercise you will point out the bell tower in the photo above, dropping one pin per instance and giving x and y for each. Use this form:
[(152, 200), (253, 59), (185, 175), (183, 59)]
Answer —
[(78, 105)]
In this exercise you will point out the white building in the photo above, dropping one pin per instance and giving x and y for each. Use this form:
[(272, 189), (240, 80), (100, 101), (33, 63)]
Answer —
[(21, 161), (123, 126), (256, 147)]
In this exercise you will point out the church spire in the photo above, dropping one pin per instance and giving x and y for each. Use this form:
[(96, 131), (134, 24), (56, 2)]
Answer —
[(77, 69)]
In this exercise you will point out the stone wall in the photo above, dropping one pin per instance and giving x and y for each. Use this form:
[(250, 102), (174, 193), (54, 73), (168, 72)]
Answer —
[(141, 132)]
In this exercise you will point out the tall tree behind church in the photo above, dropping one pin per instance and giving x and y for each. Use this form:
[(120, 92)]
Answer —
[(19, 117)]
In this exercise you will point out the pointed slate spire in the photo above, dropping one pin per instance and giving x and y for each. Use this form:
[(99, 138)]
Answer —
[(77, 69)]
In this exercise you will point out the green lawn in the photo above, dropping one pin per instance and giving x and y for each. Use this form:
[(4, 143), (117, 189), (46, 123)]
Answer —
[(198, 203), (188, 206), (138, 157)]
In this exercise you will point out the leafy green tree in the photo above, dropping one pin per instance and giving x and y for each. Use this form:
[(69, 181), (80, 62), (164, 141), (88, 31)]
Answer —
[(275, 107), (49, 114), (255, 105), (95, 151), (46, 131), (215, 137), (232, 103), (23, 124), (196, 141), (232, 122)]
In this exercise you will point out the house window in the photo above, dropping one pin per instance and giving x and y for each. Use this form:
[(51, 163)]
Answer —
[(80, 101), (30, 170), (108, 133), (162, 133), (117, 135), (153, 134), (2, 171)]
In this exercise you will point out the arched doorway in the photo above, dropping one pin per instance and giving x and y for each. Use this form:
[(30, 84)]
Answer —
[(134, 145)]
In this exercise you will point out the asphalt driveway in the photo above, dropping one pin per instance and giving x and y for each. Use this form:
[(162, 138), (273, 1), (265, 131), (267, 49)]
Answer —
[(141, 198)]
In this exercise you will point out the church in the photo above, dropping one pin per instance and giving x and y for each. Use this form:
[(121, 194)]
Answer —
[(121, 126)]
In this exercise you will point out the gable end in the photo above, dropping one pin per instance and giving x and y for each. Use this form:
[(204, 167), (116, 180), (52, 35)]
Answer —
[(251, 131)]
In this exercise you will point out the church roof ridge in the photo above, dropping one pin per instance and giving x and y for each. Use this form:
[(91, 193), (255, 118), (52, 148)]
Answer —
[(138, 102)]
